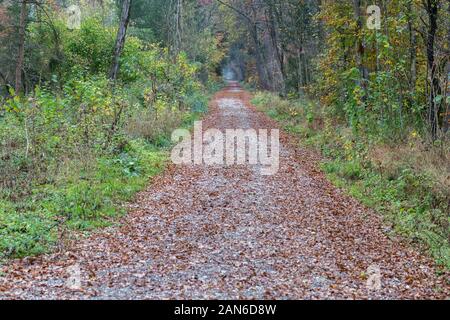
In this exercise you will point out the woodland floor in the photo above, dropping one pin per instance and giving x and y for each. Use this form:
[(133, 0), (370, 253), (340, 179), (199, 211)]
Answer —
[(220, 232)]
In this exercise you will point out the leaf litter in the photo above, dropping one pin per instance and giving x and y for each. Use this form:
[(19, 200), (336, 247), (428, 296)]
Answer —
[(227, 232)]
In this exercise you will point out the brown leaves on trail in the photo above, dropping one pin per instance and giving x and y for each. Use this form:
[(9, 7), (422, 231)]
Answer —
[(221, 232)]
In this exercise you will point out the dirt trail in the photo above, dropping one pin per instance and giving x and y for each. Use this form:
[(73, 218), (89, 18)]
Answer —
[(223, 232)]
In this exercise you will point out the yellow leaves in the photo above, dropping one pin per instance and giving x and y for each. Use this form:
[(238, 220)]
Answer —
[(357, 90), (414, 139), (13, 105), (293, 112), (148, 96), (349, 150), (161, 105)]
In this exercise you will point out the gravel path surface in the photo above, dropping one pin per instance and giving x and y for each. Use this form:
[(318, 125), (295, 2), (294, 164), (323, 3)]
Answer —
[(228, 232)]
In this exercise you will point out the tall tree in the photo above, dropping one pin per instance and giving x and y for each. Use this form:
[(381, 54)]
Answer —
[(412, 47), (360, 47), (178, 24), (21, 48), (447, 111), (432, 9), (120, 40)]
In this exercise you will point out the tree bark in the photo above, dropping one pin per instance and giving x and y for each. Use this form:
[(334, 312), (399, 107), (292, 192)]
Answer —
[(300, 82), (276, 44), (120, 40), (412, 50), (21, 49), (435, 90), (5, 83), (447, 82), (260, 63), (360, 50), (178, 26)]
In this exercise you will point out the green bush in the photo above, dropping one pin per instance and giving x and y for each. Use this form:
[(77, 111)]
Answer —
[(77, 147), (90, 48)]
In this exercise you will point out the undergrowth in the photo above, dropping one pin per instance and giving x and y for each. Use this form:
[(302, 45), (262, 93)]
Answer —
[(404, 181)]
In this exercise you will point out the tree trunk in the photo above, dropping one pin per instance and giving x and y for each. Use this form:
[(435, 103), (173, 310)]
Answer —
[(120, 40), (300, 82), (412, 50), (21, 50), (360, 50), (447, 111), (278, 52), (260, 61), (433, 106), (5, 83), (447, 82), (178, 26)]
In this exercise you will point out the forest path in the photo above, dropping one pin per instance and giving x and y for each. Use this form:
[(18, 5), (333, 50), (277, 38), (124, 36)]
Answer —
[(203, 232)]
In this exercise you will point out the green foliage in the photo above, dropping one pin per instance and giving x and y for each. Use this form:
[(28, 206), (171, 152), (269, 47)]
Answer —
[(393, 95), (86, 199), (75, 148), (90, 48), (197, 103), (414, 201), (25, 233)]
